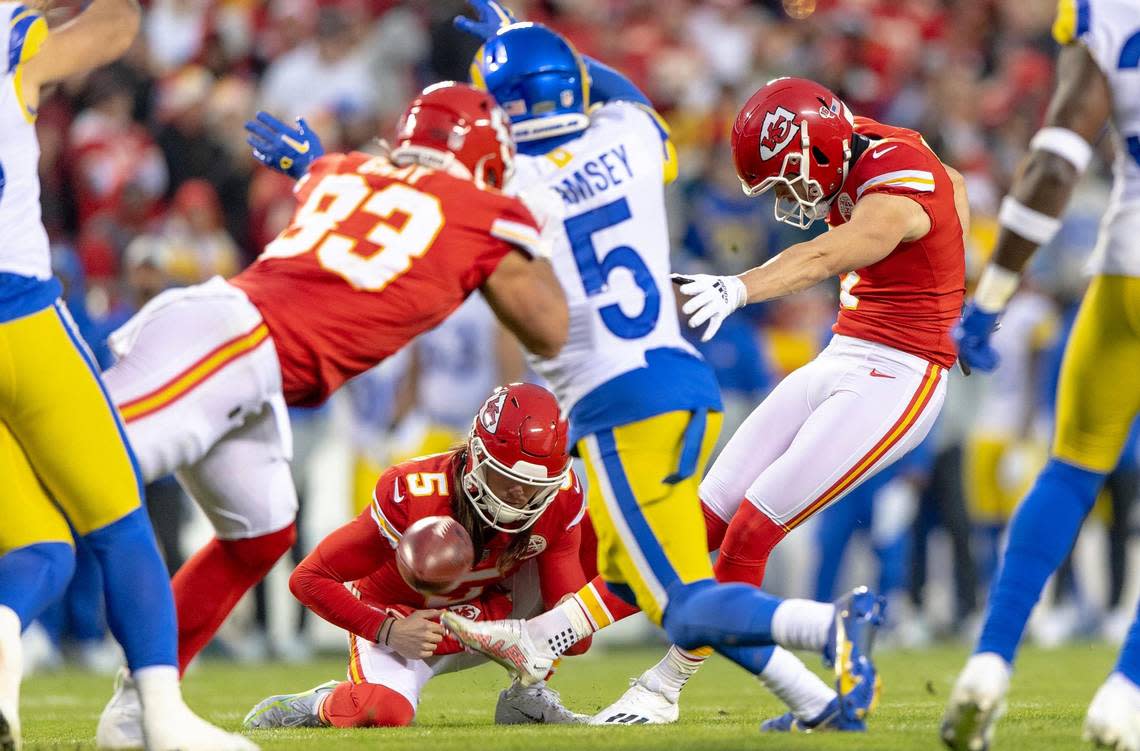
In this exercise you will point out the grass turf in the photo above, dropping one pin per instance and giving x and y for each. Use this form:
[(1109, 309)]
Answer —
[(720, 707)]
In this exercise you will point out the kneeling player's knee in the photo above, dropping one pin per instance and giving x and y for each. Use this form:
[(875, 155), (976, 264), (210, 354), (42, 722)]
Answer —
[(367, 705), (260, 553)]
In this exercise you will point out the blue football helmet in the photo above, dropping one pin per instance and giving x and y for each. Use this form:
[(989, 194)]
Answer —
[(537, 77)]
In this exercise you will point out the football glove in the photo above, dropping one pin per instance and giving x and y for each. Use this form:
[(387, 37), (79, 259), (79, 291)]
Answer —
[(712, 299), (492, 17), (972, 335), (283, 147)]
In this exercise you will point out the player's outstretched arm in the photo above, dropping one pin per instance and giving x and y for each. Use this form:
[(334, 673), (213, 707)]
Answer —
[(97, 36), (528, 299), (879, 223), (1059, 153)]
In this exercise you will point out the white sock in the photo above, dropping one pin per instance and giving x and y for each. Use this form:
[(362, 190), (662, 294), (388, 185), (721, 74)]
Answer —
[(11, 658), (561, 627), (675, 669), (790, 680), (802, 624), (158, 687)]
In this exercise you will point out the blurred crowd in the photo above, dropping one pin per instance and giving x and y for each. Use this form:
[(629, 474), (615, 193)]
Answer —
[(148, 183)]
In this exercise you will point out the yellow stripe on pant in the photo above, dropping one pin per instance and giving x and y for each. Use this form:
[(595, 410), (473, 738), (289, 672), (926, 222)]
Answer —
[(1098, 394), (651, 533), (63, 449)]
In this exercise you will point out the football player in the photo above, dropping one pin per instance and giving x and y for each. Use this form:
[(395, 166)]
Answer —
[(64, 455), (512, 489), (643, 406), (1098, 72), (381, 248)]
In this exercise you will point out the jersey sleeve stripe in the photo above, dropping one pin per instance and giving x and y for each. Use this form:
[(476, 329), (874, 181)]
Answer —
[(21, 32), (578, 517), (386, 527), (522, 235), (919, 180)]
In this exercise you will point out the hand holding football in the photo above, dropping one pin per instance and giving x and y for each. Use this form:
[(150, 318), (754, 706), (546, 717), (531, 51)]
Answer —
[(434, 554)]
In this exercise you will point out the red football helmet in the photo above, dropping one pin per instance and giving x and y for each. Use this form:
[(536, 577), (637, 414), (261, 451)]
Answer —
[(796, 134), (453, 125), (516, 456)]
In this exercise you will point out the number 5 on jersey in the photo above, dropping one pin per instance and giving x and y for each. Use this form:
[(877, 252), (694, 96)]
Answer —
[(337, 198)]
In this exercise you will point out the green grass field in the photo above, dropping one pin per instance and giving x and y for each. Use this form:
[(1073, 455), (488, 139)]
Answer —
[(720, 708)]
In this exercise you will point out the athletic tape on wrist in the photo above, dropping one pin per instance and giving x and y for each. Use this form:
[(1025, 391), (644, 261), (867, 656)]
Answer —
[(1029, 223), (995, 287), (1066, 144)]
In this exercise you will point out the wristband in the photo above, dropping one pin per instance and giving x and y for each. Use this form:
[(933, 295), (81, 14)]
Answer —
[(1065, 143), (386, 623), (995, 287), (1029, 223)]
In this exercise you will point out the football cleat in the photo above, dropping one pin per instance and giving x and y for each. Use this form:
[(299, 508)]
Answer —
[(1113, 720), (832, 718), (9, 729), (289, 710), (976, 702), (640, 705), (525, 705), (858, 616), (506, 642), (120, 724)]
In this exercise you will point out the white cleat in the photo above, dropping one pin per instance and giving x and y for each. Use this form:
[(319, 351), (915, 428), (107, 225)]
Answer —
[(11, 672), (527, 705), (640, 705), (123, 725), (1113, 720), (976, 703), (9, 728), (506, 642)]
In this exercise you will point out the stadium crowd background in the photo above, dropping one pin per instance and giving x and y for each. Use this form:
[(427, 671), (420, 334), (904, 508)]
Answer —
[(148, 183)]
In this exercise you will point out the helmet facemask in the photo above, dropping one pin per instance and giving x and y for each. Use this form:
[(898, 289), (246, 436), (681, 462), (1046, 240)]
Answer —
[(802, 202), (526, 489)]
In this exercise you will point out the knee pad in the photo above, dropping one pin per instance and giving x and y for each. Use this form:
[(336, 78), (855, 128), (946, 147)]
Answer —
[(367, 705), (260, 553)]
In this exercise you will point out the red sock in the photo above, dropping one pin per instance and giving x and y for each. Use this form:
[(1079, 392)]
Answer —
[(366, 705), (749, 541), (715, 527), (209, 585)]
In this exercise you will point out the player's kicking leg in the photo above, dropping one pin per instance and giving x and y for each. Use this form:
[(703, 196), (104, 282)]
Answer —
[(63, 430), (1094, 416)]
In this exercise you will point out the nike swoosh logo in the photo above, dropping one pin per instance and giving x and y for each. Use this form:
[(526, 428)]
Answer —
[(874, 154), (301, 147), (529, 716), (878, 374), (396, 496)]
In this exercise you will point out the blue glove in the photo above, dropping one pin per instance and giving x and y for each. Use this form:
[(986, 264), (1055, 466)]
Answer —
[(492, 17), (283, 147), (972, 334)]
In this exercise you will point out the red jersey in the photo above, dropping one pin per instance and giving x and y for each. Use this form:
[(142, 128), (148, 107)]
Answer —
[(364, 552), (375, 255), (912, 298)]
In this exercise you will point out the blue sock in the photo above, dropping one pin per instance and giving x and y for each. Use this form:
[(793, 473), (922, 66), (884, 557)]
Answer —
[(140, 605), (1129, 662), (1041, 534), (719, 615), (34, 577)]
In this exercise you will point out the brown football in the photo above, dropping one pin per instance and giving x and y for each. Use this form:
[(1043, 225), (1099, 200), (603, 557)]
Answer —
[(434, 554)]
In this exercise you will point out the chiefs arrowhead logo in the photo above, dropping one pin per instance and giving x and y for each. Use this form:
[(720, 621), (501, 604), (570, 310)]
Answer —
[(466, 610), (492, 411), (534, 546), (777, 132)]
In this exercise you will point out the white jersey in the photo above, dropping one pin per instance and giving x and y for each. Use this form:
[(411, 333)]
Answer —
[(1007, 403), (610, 250), (23, 241), (1110, 29), (457, 366)]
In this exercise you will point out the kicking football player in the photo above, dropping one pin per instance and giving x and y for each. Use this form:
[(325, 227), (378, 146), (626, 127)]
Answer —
[(64, 455), (380, 249), (1098, 397), (644, 408), (512, 489)]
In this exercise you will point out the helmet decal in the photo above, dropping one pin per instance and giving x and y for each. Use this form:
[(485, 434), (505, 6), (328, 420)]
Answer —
[(777, 132), (492, 410)]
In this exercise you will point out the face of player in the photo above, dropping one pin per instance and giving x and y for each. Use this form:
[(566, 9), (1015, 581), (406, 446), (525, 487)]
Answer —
[(510, 491)]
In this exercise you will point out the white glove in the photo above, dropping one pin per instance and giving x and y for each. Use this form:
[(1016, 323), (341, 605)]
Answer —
[(713, 298)]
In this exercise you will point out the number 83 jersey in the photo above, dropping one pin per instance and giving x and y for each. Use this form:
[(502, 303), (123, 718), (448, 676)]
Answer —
[(625, 358), (375, 255)]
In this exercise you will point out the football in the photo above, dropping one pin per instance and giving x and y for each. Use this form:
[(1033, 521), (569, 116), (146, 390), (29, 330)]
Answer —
[(434, 554)]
